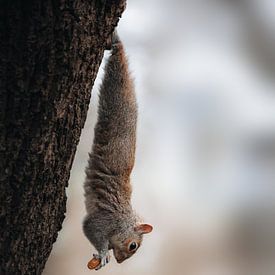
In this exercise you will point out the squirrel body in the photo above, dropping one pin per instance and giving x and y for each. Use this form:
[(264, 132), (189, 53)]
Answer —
[(111, 223)]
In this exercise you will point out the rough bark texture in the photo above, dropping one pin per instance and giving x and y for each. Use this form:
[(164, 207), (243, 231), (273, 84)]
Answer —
[(50, 52)]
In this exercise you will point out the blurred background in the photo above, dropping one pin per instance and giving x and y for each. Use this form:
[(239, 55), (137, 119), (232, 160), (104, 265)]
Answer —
[(205, 164)]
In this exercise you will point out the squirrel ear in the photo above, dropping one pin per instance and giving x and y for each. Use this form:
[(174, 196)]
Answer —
[(144, 228)]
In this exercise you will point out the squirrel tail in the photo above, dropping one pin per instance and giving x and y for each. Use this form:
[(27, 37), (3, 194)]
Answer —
[(115, 132)]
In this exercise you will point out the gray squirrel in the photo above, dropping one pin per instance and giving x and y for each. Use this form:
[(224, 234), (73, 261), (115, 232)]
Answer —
[(111, 223)]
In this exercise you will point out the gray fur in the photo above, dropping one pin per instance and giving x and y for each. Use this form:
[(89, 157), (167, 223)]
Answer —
[(110, 219)]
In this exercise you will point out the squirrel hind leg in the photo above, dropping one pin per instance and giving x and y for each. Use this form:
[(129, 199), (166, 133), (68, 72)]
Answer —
[(112, 40)]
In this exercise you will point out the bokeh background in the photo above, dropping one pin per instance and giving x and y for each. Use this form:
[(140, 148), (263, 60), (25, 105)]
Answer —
[(205, 164)]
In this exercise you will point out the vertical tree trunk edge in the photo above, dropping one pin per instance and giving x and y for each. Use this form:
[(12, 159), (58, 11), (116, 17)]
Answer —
[(50, 52)]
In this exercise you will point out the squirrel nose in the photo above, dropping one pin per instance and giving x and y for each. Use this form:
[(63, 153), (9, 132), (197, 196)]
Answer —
[(120, 257)]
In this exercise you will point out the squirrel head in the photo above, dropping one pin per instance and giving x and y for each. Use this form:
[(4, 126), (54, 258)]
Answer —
[(126, 245)]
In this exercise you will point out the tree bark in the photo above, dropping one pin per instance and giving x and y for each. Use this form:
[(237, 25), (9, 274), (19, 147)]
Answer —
[(50, 52)]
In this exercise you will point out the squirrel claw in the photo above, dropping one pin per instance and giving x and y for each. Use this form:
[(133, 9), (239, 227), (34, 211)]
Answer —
[(104, 259)]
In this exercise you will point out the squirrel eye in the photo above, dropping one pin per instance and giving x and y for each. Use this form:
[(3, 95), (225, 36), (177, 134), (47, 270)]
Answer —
[(133, 246)]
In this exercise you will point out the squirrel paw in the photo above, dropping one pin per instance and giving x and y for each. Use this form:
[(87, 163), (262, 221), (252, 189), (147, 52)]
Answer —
[(104, 259)]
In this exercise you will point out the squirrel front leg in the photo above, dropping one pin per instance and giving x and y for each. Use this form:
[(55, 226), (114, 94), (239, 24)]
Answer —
[(103, 255), (100, 242)]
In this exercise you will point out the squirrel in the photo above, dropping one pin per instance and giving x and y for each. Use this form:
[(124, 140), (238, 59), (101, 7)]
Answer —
[(111, 223)]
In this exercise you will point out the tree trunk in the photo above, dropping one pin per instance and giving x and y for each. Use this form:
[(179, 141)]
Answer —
[(50, 52)]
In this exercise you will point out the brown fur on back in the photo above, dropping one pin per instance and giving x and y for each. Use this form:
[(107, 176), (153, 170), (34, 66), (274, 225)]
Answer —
[(107, 184)]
